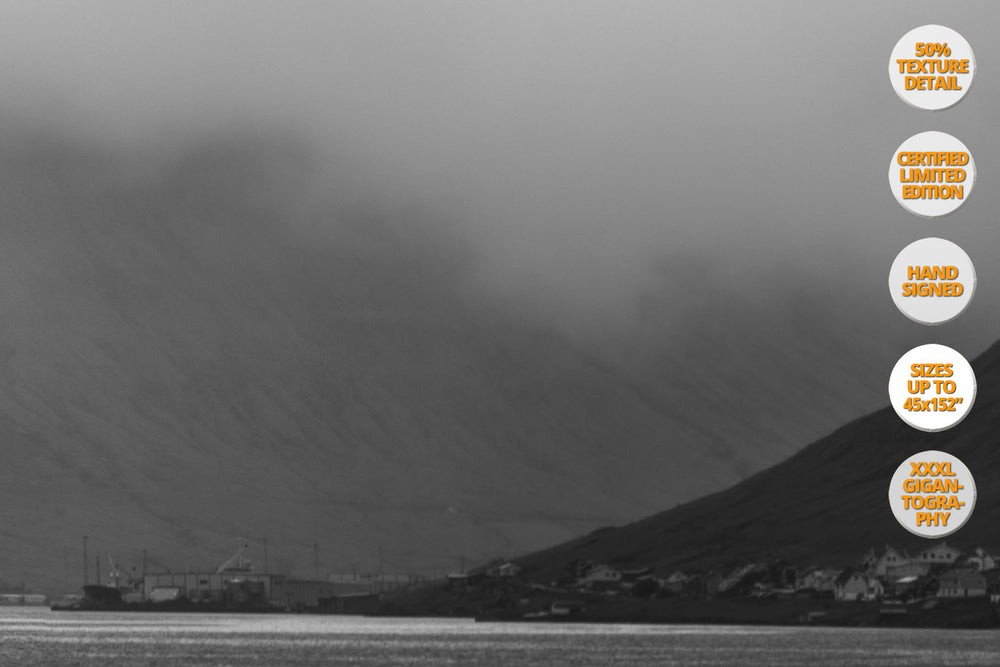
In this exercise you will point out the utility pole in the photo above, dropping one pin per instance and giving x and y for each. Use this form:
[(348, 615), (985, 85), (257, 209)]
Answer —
[(144, 564), (86, 561), (265, 556), (97, 568)]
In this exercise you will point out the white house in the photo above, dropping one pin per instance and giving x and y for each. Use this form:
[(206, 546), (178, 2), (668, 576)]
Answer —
[(962, 583), (676, 582), (601, 574), (818, 580), (981, 560), (939, 553), (890, 558), (855, 586)]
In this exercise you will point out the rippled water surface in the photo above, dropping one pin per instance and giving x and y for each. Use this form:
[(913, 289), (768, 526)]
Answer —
[(33, 636)]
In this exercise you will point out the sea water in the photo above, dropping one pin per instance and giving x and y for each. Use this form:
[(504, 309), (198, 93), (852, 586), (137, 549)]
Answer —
[(35, 636)]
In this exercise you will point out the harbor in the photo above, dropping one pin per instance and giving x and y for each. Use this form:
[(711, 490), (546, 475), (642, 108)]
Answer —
[(233, 587)]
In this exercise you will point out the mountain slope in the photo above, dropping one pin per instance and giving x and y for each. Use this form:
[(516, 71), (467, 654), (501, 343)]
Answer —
[(825, 505)]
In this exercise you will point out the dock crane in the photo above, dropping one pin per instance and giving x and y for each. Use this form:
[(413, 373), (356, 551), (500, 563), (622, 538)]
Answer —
[(237, 563), (122, 580)]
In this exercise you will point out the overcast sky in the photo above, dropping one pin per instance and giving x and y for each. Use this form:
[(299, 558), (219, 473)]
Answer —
[(592, 154)]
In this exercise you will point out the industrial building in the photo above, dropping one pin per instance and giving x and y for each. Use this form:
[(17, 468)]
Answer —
[(253, 589)]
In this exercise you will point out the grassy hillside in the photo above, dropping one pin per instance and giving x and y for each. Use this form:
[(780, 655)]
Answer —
[(826, 505)]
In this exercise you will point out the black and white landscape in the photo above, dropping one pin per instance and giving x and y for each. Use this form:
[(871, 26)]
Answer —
[(454, 281)]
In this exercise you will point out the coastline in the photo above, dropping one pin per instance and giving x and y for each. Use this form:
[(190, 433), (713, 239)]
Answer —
[(971, 613)]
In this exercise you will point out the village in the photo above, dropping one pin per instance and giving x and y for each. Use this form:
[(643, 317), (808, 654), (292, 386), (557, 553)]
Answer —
[(891, 581)]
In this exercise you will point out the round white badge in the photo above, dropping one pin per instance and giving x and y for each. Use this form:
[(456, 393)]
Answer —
[(932, 281), (932, 174), (932, 387), (932, 494), (931, 67)]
